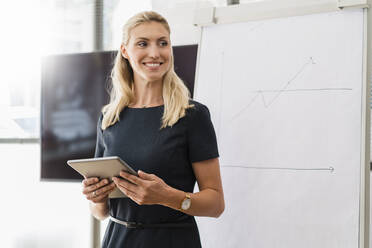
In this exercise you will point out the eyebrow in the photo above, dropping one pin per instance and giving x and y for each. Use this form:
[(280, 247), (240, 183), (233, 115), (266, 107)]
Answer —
[(144, 38)]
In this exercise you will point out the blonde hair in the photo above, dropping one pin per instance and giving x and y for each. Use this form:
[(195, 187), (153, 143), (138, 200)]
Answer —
[(175, 94)]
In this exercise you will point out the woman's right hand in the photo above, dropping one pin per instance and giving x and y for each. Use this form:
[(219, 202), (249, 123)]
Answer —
[(97, 190)]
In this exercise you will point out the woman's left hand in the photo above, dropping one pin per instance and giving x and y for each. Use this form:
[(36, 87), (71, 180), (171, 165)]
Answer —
[(146, 189)]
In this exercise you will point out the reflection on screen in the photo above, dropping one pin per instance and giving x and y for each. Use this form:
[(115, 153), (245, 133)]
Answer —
[(74, 89)]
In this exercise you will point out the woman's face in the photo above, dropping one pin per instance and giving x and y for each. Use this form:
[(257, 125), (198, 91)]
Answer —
[(148, 51)]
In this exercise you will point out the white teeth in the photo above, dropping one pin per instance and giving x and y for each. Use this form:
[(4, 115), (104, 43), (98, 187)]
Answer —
[(152, 65)]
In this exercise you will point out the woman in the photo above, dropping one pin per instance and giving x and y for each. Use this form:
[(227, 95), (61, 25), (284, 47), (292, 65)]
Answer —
[(152, 124)]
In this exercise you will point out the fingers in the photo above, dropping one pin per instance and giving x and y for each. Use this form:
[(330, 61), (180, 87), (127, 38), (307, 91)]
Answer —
[(145, 175), (128, 188), (104, 190), (131, 194), (89, 181), (126, 191), (134, 197), (100, 198), (101, 193), (125, 184), (131, 178), (89, 187)]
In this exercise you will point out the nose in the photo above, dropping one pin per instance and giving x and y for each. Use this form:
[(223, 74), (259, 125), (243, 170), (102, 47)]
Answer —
[(154, 52)]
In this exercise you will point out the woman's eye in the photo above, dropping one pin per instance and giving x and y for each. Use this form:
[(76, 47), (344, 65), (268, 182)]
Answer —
[(163, 43), (141, 44)]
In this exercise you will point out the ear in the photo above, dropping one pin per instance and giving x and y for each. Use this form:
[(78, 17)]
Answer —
[(124, 51)]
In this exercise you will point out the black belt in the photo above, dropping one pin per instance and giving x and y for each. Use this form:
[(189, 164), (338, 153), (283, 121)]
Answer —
[(129, 224)]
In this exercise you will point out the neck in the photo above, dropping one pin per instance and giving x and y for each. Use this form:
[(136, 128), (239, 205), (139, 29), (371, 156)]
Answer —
[(148, 94)]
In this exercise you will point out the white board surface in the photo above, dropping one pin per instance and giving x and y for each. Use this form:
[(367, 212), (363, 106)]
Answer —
[(285, 98)]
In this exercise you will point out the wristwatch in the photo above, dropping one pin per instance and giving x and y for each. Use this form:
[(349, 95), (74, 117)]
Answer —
[(186, 203)]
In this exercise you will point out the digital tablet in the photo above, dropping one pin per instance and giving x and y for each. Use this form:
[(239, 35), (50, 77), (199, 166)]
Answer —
[(106, 167)]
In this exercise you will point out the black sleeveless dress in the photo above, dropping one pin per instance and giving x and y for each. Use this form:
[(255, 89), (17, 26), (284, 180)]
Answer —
[(167, 153)]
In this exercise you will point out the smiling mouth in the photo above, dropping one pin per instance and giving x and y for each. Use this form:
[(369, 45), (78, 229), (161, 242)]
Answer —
[(153, 64)]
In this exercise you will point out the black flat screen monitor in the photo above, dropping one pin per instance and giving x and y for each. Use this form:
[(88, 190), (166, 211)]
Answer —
[(74, 89)]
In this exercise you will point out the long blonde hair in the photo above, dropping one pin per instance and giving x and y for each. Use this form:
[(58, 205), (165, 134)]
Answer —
[(175, 94)]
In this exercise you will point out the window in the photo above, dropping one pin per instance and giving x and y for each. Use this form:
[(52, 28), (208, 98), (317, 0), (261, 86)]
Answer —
[(35, 31)]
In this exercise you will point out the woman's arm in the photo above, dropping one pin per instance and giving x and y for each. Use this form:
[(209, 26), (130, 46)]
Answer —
[(97, 191), (99, 210), (149, 189), (209, 201)]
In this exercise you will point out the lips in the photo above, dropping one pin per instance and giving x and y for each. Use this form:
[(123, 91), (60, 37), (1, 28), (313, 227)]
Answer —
[(152, 65), (149, 63)]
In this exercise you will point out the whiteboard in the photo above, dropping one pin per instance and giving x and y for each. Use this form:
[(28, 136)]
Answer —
[(285, 98)]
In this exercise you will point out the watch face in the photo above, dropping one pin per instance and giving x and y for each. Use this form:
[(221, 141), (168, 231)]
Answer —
[(186, 204)]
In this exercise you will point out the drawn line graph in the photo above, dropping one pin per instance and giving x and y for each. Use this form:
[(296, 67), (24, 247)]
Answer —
[(267, 103), (330, 169), (279, 92)]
